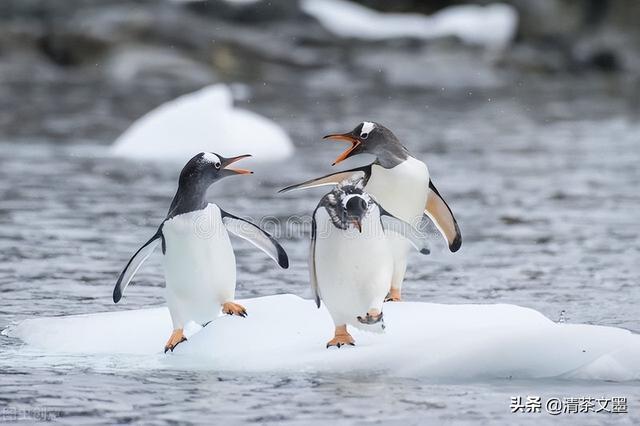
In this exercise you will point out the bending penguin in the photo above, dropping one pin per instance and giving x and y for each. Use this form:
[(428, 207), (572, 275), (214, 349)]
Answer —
[(399, 182), (199, 263), (350, 260)]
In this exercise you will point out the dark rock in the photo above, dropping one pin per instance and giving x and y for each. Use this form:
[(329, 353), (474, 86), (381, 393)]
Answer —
[(71, 49), (138, 63)]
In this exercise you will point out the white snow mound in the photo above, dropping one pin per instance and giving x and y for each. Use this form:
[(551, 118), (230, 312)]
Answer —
[(492, 26), (287, 333), (205, 120)]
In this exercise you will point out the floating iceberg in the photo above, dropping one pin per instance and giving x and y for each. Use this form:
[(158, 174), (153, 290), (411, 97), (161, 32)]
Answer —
[(287, 333), (205, 120), (493, 25)]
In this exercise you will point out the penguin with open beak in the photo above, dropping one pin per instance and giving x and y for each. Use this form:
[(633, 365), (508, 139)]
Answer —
[(199, 262), (399, 182), (350, 260)]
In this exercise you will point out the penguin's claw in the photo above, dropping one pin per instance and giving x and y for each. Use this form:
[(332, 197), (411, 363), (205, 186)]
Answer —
[(341, 338), (175, 339), (393, 296), (371, 318), (339, 343), (231, 308)]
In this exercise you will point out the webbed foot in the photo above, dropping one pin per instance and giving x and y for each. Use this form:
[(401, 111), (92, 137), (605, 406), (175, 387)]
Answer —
[(231, 308), (175, 339), (393, 295), (372, 317), (341, 338)]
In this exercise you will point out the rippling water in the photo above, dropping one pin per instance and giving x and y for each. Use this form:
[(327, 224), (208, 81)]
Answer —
[(543, 181)]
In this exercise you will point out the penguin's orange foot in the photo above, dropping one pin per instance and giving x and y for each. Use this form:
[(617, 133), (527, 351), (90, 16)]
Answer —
[(175, 339), (341, 338), (372, 317), (231, 308), (393, 295)]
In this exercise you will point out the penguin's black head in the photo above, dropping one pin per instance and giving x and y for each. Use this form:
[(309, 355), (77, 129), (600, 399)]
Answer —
[(208, 167), (367, 138)]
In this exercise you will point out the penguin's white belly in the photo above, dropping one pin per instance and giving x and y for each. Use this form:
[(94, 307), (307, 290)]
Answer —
[(200, 266), (353, 269), (402, 191)]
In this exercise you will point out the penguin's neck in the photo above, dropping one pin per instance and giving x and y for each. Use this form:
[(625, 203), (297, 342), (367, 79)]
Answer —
[(393, 155), (189, 197)]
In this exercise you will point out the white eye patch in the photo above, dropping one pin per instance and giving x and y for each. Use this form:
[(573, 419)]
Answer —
[(210, 157), (367, 127)]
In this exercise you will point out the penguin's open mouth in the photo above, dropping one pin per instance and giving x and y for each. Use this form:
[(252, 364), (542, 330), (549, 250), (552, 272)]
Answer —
[(344, 137), (228, 161)]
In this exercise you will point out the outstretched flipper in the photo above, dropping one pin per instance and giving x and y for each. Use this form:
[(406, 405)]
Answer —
[(363, 172), (313, 278), (442, 216), (135, 262), (390, 223), (256, 236)]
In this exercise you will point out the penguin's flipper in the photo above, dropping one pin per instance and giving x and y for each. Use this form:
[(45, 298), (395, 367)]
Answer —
[(439, 212), (390, 223), (256, 236), (135, 262), (313, 279), (332, 179)]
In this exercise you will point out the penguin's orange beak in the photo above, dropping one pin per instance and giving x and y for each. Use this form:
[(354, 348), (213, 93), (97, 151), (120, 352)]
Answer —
[(228, 161), (344, 137)]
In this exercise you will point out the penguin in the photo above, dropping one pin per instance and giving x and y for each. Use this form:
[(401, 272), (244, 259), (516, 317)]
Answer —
[(350, 260), (199, 262), (398, 181)]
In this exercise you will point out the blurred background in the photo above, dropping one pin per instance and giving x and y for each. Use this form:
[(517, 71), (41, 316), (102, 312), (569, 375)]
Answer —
[(82, 70), (526, 113)]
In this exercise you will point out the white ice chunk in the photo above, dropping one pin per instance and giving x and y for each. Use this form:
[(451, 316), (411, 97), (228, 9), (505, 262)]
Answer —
[(205, 120), (493, 25), (287, 333)]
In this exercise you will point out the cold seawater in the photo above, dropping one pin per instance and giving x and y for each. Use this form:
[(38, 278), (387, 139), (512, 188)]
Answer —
[(543, 181)]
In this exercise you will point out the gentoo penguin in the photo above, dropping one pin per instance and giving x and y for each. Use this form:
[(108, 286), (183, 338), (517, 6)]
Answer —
[(399, 182), (350, 260), (199, 263)]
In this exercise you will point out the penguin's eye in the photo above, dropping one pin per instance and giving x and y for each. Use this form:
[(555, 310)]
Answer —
[(364, 135), (216, 165)]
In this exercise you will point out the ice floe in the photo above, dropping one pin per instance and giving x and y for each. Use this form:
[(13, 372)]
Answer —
[(287, 333), (493, 25), (205, 120)]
